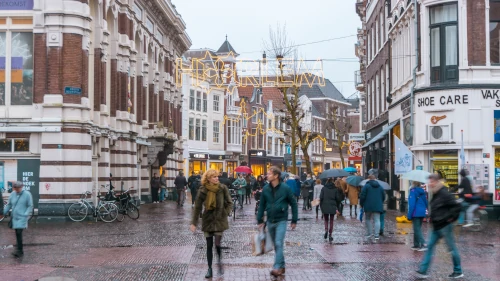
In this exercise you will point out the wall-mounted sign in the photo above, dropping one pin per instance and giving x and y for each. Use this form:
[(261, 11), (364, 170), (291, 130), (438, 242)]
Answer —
[(198, 155), (420, 168), (436, 119), (405, 107), (329, 149), (443, 100), (16, 4), (257, 153), (72, 91), (355, 149), (357, 137), (317, 159), (219, 157), (486, 155)]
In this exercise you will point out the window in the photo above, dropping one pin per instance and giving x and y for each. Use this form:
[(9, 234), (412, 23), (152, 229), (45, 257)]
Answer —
[(216, 103), (259, 97), (444, 43), (149, 25), (254, 116), (204, 130), (216, 131), (494, 32), (205, 102), (197, 129), (245, 120), (261, 140), (191, 100), (269, 145), (191, 128), (198, 101), (261, 117), (254, 138), (229, 131), (19, 51), (14, 145), (138, 11), (276, 146), (159, 36)]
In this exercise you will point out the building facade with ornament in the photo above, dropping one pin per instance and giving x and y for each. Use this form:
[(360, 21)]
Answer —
[(88, 91)]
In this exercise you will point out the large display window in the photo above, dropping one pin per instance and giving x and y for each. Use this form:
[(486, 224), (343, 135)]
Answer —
[(218, 166), (198, 167), (445, 163)]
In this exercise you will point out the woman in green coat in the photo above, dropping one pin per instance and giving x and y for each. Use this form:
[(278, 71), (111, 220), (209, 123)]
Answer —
[(216, 201), (239, 184)]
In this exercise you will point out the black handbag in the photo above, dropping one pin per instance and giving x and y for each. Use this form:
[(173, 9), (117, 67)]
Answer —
[(12, 213)]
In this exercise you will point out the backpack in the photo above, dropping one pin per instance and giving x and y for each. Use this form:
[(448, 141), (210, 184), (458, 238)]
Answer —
[(196, 184)]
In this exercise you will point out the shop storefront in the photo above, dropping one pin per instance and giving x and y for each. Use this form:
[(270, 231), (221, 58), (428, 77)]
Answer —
[(375, 150), (197, 163), (445, 163), (258, 161), (217, 162), (230, 166), (317, 164), (26, 171)]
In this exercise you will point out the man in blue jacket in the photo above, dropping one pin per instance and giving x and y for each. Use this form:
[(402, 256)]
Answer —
[(417, 201), (372, 201), (275, 199)]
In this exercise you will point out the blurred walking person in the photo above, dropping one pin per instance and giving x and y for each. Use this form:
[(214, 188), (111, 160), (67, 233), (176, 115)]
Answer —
[(21, 203), (372, 201), (216, 201), (341, 194), (417, 208), (155, 187), (239, 184), (443, 212), (317, 191), (163, 186), (330, 198), (353, 195), (180, 183)]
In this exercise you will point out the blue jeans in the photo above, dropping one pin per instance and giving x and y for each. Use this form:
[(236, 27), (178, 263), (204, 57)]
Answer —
[(418, 237), (277, 231), (162, 194), (372, 229), (434, 236), (461, 218), (382, 222)]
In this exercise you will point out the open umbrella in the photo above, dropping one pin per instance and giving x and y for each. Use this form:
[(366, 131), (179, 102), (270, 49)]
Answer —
[(383, 184), (333, 173), (350, 169), (417, 175), (354, 180), (243, 169)]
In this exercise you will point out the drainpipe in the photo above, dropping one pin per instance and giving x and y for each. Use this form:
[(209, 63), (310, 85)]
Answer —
[(412, 93)]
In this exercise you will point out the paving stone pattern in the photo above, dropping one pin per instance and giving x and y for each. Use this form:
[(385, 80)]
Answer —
[(159, 246)]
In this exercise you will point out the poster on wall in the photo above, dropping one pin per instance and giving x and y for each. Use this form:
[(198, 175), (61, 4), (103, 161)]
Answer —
[(496, 124), (22, 68), (496, 196), (28, 172)]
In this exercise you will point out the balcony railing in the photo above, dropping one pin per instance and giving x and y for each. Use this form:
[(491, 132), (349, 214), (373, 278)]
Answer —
[(358, 80)]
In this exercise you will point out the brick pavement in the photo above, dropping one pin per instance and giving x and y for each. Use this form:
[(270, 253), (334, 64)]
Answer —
[(159, 246)]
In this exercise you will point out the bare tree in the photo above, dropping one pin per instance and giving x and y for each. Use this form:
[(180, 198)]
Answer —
[(281, 48), (341, 127)]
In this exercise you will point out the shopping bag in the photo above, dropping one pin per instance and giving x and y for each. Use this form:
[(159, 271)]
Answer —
[(261, 243), (315, 202)]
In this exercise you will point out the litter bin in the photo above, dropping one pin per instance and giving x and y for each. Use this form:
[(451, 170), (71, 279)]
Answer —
[(402, 202), (391, 203)]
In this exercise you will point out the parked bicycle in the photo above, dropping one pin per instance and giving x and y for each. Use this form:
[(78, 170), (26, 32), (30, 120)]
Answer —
[(125, 206), (106, 211), (8, 214), (234, 196)]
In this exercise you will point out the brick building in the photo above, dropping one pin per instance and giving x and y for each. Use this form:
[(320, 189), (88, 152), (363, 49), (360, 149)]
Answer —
[(88, 90)]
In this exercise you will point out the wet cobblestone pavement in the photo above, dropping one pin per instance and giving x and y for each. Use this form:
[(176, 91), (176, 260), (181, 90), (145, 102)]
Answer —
[(159, 246)]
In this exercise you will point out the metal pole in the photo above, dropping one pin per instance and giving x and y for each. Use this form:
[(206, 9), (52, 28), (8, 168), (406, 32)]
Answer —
[(414, 83)]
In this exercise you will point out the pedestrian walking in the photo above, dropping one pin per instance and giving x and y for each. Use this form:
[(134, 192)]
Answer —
[(180, 183), (304, 192), (21, 203), (444, 210), (353, 195), (317, 192), (259, 183), (275, 199), (163, 186), (341, 194), (417, 208), (216, 201), (239, 184), (465, 193), (155, 187), (223, 179), (330, 198), (193, 189), (248, 189), (372, 201)]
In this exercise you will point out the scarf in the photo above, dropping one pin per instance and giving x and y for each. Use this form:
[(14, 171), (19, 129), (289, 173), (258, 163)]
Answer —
[(211, 200)]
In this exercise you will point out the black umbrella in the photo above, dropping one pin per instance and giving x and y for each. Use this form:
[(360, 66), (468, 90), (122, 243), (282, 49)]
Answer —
[(334, 173)]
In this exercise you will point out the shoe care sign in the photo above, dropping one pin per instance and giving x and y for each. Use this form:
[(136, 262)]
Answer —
[(16, 5)]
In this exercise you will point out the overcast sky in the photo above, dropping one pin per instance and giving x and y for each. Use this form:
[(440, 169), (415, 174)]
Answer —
[(247, 23)]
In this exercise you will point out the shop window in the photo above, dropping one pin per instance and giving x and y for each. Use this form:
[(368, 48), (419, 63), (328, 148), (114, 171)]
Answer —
[(191, 100), (6, 145), (216, 103), (444, 43), (191, 128), (14, 145), (218, 166), (445, 164), (495, 32)]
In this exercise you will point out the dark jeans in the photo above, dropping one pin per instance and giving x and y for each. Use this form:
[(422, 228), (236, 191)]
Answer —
[(436, 235), (307, 203), (154, 194), (418, 237), (180, 196), (194, 191), (329, 223), (19, 239), (248, 194)]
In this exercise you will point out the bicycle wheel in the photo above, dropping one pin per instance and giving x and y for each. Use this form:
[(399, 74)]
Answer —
[(480, 219), (121, 212), (108, 212), (77, 211), (132, 211)]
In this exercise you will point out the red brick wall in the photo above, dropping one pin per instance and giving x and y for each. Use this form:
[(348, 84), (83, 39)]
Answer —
[(140, 98), (40, 67), (151, 105), (74, 67), (98, 75), (476, 33), (114, 87), (161, 105)]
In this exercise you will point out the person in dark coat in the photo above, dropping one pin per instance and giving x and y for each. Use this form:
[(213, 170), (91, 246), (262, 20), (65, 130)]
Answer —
[(329, 199), (155, 187), (223, 179), (372, 201), (216, 201), (180, 183), (417, 211), (465, 191), (304, 192)]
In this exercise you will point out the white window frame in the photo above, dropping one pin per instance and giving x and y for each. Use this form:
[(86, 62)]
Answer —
[(216, 102), (216, 132)]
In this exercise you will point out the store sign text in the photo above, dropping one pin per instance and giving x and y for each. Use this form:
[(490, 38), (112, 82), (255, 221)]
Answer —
[(491, 95), (443, 100)]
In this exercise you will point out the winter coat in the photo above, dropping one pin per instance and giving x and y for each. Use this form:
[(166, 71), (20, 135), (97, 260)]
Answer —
[(180, 182), (293, 186), (444, 209), (258, 185), (21, 210), (213, 220), (240, 184), (304, 191), (317, 191), (226, 181), (417, 203), (163, 181), (466, 187), (353, 194), (155, 182), (372, 197), (275, 201), (329, 199)]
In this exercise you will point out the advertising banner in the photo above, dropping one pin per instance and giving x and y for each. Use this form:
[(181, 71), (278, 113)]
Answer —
[(403, 161), (28, 172)]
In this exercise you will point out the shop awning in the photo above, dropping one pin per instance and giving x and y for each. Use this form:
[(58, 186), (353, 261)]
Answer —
[(381, 134)]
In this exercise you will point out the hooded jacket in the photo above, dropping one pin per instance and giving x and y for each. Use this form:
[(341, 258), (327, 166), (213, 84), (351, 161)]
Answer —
[(372, 197), (417, 203), (444, 209)]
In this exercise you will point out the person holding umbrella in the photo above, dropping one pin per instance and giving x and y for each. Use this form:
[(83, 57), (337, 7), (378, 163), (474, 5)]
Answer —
[(372, 201), (417, 201), (330, 198)]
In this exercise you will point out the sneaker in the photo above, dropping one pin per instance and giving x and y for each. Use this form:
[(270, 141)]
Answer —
[(422, 249), (456, 275), (415, 248), (468, 225), (421, 275), (377, 238)]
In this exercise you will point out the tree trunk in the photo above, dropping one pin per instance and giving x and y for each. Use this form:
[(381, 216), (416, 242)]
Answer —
[(341, 155), (293, 149), (307, 158)]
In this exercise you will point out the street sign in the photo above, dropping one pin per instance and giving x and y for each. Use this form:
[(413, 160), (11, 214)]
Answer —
[(357, 137), (72, 91)]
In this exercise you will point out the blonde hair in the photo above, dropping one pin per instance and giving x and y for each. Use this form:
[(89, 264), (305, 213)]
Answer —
[(318, 181), (207, 175)]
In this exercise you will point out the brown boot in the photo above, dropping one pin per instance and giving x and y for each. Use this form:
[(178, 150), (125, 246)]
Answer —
[(277, 272)]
